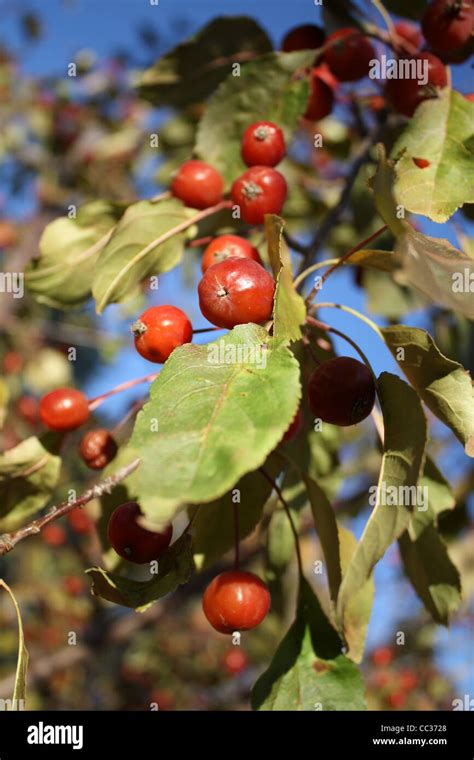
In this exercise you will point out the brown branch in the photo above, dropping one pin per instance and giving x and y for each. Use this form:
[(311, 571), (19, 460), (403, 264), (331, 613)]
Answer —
[(9, 540), (333, 216)]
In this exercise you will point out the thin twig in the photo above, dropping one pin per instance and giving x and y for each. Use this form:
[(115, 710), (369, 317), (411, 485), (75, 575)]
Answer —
[(9, 540), (340, 334), (332, 218), (236, 535), (342, 261), (95, 402)]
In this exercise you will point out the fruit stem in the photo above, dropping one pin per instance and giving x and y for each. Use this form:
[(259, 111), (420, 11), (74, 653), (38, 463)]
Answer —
[(342, 260), (205, 330), (355, 346), (131, 412), (95, 402), (287, 509), (236, 536), (386, 17), (352, 311)]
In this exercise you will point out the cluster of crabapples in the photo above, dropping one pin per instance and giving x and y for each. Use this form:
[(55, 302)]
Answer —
[(346, 55), (235, 289)]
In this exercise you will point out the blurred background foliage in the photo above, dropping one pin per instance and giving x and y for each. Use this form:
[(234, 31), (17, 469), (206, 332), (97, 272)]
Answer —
[(65, 140)]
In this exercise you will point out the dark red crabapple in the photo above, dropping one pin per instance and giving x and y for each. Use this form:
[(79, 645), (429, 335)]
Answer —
[(97, 448), (448, 24), (349, 54), (263, 144), (64, 409), (321, 98), (304, 37), (235, 292), (341, 391), (160, 330), (236, 601), (258, 191), (405, 95), (226, 247), (411, 39), (198, 185), (131, 541)]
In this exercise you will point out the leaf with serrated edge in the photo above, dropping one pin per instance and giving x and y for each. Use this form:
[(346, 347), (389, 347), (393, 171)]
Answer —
[(309, 670), (175, 567), (289, 311), (438, 498), (191, 71), (266, 89), (403, 460), (69, 252), (382, 184), (19, 691), (433, 576), (29, 472), (147, 241), (220, 412), (443, 384), (441, 132), (438, 270)]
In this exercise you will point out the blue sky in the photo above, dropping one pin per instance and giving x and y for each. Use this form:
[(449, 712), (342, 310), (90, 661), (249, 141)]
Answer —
[(107, 25)]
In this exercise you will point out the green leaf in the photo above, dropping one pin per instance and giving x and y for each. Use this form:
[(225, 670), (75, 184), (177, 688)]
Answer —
[(280, 539), (432, 574), (192, 71), (387, 298), (28, 475), (327, 530), (175, 567), (403, 460), (19, 691), (359, 607), (266, 89), (438, 498), (289, 311), (309, 671), (147, 241), (370, 258), (442, 132), (213, 527), (220, 410), (382, 184), (438, 270), (69, 252), (444, 385), (307, 455)]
